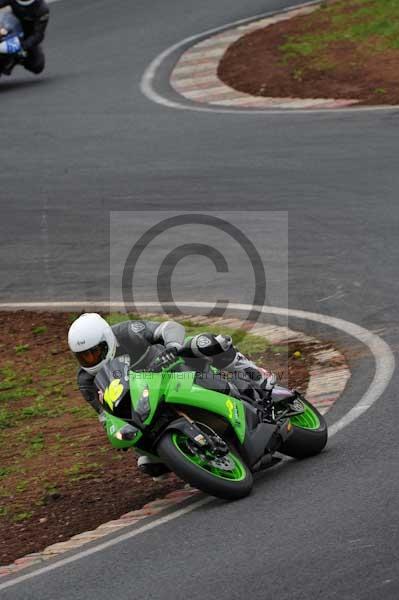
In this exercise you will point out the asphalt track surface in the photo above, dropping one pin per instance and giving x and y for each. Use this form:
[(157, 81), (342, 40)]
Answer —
[(82, 141)]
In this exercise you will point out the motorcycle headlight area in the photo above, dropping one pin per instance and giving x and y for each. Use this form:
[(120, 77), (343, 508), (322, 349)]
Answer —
[(127, 433)]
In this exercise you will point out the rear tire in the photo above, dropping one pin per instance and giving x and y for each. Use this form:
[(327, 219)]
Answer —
[(229, 485), (309, 435)]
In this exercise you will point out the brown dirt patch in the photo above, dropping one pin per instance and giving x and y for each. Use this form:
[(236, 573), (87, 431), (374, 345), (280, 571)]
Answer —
[(364, 69), (58, 474)]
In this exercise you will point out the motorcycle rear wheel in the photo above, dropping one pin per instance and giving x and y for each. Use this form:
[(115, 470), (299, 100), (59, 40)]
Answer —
[(227, 477), (309, 435)]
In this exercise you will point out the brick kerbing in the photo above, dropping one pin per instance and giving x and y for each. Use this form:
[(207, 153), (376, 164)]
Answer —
[(195, 74), (329, 375), (131, 518)]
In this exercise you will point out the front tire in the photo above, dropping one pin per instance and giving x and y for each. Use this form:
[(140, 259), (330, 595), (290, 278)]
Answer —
[(228, 478), (309, 435)]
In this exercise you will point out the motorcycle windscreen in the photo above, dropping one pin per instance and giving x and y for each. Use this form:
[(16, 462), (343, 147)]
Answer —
[(113, 383)]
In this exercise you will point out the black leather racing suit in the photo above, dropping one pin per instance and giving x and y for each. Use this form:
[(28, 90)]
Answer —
[(143, 341), (34, 19)]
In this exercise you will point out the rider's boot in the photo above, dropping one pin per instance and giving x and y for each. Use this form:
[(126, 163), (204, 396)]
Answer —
[(153, 467), (8, 68)]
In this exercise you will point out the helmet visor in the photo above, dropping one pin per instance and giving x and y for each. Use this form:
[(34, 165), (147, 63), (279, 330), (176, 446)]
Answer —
[(92, 356)]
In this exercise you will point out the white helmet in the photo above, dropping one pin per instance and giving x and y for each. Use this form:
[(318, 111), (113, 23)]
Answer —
[(92, 341)]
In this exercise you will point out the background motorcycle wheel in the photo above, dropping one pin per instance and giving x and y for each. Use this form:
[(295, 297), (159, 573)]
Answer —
[(309, 435), (210, 474)]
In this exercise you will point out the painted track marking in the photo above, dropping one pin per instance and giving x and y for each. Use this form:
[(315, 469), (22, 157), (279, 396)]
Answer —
[(383, 356), (121, 538), (148, 79), (206, 56), (325, 386), (384, 368)]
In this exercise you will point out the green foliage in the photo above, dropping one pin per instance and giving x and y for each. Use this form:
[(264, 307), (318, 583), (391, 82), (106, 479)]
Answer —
[(13, 384), (7, 374), (74, 469), (11, 395), (22, 485), (22, 516), (27, 410), (81, 471), (39, 330), (40, 408), (357, 21), (21, 348), (36, 444), (6, 418), (45, 372), (50, 488), (115, 318)]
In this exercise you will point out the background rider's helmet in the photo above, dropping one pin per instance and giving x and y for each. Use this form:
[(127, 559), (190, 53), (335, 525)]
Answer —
[(25, 2), (92, 341)]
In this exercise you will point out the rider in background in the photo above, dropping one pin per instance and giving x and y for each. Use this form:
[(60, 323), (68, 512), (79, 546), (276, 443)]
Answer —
[(33, 16), (150, 345)]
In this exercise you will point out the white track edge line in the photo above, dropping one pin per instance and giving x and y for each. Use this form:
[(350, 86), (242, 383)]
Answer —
[(147, 89), (103, 545), (257, 332), (382, 353), (384, 369)]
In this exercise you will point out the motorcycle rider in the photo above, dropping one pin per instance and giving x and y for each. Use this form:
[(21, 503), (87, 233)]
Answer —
[(150, 345), (33, 16)]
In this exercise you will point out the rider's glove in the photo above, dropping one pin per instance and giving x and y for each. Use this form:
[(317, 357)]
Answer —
[(164, 360), (11, 46)]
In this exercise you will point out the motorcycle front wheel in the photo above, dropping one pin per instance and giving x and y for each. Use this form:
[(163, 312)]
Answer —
[(226, 477), (309, 432)]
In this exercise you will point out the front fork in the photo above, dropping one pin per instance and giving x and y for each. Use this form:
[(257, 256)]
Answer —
[(200, 439)]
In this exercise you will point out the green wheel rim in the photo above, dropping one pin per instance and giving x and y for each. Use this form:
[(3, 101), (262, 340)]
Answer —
[(238, 472), (306, 420)]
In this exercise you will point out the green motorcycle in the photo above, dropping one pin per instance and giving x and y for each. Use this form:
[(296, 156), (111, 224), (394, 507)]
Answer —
[(213, 441)]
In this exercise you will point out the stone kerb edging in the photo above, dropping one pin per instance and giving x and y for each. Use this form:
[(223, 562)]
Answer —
[(329, 375), (195, 74)]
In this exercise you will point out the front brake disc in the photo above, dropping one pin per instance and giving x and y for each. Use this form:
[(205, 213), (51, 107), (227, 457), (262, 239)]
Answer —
[(224, 462)]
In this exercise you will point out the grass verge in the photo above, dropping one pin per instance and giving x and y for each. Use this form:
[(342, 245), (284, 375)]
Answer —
[(345, 50), (58, 473)]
